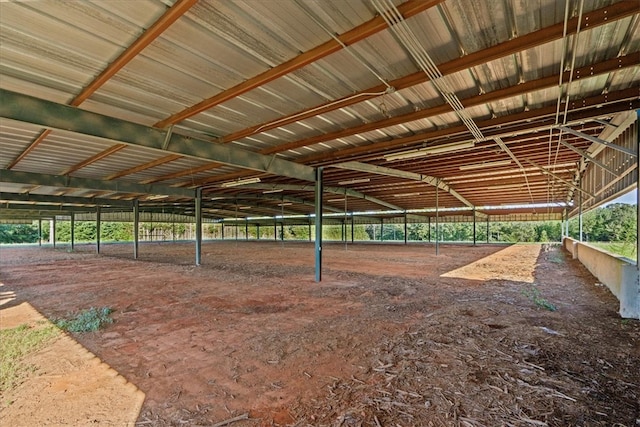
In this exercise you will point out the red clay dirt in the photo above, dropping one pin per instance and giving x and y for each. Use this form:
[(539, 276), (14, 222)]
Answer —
[(392, 336)]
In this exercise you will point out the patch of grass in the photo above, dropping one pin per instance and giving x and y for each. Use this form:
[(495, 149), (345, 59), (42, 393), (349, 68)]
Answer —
[(16, 344), (625, 249), (88, 320), (534, 295)]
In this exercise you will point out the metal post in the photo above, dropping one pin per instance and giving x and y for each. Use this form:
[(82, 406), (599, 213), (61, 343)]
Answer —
[(98, 223), (136, 228), (282, 230), (257, 231), (352, 230), (275, 229), (318, 209), (474, 226), (405, 227), (381, 228), (222, 230), (73, 229), (488, 234), (638, 218), (580, 212), (246, 229), (39, 231), (52, 231), (429, 229), (437, 221), (199, 226)]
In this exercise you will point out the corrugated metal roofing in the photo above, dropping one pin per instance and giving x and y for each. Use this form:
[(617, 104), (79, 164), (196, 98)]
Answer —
[(320, 83)]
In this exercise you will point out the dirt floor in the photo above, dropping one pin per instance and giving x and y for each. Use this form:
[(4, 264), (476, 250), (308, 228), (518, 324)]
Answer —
[(392, 336)]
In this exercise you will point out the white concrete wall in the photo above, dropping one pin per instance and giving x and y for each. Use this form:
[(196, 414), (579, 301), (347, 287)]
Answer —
[(619, 274)]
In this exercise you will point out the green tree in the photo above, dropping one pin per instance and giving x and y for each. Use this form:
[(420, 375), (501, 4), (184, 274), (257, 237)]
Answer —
[(18, 233)]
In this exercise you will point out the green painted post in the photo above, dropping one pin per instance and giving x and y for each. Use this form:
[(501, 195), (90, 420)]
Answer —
[(437, 221), (98, 224), (73, 229), (318, 209), (136, 228), (474, 226), (405, 227), (199, 226)]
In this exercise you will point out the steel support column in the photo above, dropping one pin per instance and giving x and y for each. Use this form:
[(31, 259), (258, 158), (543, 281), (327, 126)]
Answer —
[(52, 231), (318, 209), (40, 232), (429, 229), (488, 232), (198, 226), (136, 228), (246, 229), (73, 231), (405, 227), (352, 230), (474, 226), (580, 215), (638, 223), (437, 223), (98, 226)]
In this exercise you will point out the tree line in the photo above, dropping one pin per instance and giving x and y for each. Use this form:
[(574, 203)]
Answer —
[(613, 223)]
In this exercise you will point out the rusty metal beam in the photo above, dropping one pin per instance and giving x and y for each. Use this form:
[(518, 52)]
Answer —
[(519, 89), (628, 98), (175, 12), (594, 19), (352, 36)]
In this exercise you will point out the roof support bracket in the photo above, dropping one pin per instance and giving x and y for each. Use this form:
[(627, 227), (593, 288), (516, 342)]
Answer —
[(599, 141)]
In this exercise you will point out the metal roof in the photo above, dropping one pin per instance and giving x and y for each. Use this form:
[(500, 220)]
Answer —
[(491, 104)]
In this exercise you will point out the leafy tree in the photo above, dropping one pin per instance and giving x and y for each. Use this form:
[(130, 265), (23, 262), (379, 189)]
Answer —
[(18, 233)]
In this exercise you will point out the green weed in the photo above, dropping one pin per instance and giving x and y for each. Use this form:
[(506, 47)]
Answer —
[(88, 320), (533, 294)]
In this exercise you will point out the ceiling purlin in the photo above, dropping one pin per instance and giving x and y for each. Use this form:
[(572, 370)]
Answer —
[(595, 18), (592, 106), (542, 36), (153, 32), (352, 36), (99, 156), (149, 165), (519, 89)]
